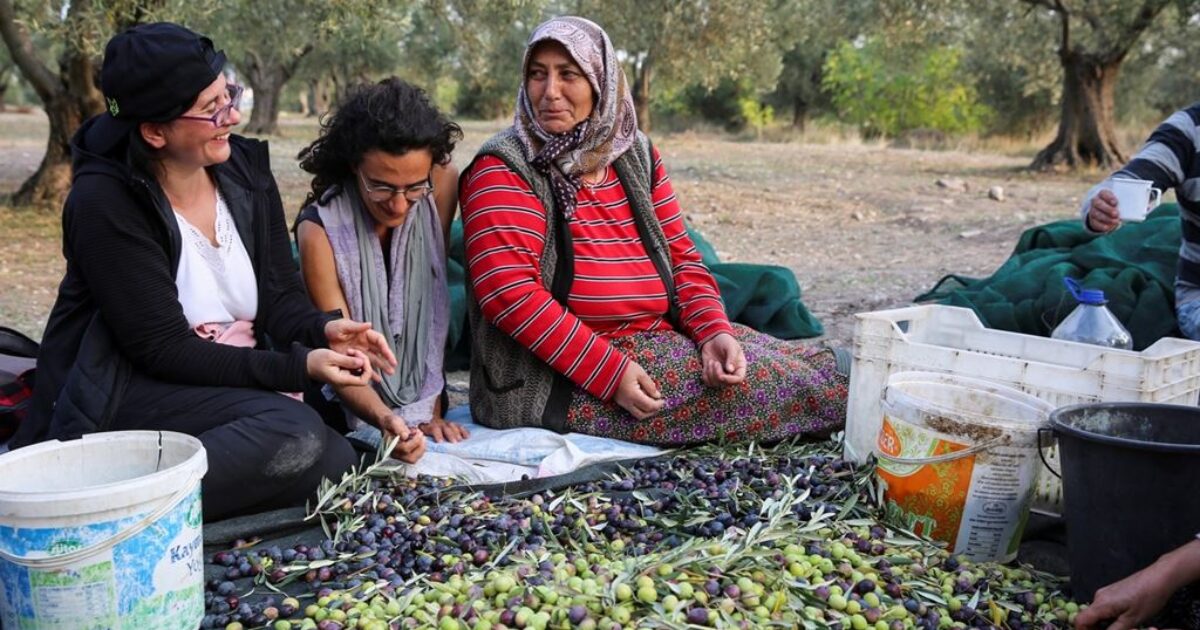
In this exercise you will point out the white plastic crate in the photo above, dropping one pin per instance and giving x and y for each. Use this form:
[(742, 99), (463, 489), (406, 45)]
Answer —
[(953, 340)]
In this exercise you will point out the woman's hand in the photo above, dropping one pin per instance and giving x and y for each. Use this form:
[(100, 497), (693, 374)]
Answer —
[(335, 368), (442, 430), (411, 445), (344, 334), (722, 361), (637, 393)]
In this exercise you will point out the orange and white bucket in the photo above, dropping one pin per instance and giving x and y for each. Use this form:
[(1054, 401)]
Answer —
[(958, 459)]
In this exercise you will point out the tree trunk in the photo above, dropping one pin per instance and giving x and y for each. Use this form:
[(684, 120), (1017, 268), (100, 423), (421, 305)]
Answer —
[(800, 114), (641, 93), (309, 100), (76, 100), (49, 184), (69, 96), (268, 87), (320, 94), (1086, 130)]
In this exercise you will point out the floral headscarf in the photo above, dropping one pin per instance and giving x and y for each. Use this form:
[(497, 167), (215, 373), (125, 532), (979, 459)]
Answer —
[(596, 142)]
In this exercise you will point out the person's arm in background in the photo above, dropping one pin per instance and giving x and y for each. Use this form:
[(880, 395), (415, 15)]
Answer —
[(1165, 159), (1126, 604)]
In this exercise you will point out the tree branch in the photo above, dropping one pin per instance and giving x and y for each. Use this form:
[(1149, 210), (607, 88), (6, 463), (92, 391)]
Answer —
[(1142, 20), (1092, 20), (20, 47), (1048, 4), (289, 68), (1064, 18)]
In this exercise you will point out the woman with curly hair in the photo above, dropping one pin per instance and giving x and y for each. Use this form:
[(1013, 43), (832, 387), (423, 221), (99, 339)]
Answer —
[(373, 238)]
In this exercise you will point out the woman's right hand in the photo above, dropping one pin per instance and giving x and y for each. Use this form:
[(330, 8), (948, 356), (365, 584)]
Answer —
[(335, 368), (411, 445), (637, 393)]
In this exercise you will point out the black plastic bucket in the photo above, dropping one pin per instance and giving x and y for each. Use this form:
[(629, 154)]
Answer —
[(1131, 484)]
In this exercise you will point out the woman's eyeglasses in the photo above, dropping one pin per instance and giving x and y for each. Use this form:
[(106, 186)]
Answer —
[(221, 117), (383, 193)]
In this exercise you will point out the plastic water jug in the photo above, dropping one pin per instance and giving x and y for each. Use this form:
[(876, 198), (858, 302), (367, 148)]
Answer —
[(1091, 321)]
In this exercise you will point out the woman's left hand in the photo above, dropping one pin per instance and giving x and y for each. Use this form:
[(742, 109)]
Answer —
[(345, 334), (442, 430), (722, 361)]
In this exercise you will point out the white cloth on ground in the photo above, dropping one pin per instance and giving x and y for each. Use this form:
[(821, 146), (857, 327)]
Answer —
[(495, 456)]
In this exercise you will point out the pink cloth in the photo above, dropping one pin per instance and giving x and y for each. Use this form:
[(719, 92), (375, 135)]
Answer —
[(239, 334)]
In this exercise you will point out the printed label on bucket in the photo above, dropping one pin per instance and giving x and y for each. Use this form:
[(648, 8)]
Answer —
[(151, 581), (926, 498), (977, 503)]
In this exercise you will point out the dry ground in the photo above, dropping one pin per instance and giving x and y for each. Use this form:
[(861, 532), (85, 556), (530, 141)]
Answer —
[(863, 226)]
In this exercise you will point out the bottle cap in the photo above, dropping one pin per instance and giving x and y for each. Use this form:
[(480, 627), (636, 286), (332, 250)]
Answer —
[(1093, 297)]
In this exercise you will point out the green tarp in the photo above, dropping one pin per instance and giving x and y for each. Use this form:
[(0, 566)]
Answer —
[(763, 297), (1134, 266)]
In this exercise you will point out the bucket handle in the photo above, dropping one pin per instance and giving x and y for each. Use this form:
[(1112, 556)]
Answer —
[(57, 562), (1042, 452), (938, 459)]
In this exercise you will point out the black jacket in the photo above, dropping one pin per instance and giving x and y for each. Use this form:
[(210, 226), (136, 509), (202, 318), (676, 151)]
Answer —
[(118, 309)]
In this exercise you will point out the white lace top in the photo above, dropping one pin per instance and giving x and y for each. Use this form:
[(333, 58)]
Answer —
[(216, 284)]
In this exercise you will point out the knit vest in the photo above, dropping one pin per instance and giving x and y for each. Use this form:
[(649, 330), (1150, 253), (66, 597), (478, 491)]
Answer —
[(510, 386)]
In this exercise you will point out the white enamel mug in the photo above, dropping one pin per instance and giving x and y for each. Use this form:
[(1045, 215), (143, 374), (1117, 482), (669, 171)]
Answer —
[(1135, 197)]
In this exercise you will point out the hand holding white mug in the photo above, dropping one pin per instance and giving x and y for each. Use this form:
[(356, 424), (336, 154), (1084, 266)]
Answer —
[(1103, 215), (1135, 197)]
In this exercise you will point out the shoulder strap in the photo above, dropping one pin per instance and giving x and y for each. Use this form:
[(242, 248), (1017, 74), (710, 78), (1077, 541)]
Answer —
[(648, 228)]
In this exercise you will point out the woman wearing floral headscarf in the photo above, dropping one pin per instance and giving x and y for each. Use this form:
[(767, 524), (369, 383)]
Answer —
[(590, 308)]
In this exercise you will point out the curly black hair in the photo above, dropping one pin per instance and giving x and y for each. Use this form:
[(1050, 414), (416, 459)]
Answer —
[(391, 116)]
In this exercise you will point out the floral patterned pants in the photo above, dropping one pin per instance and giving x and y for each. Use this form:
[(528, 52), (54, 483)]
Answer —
[(791, 389)]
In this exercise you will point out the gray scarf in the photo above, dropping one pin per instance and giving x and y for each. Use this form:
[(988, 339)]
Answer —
[(412, 311)]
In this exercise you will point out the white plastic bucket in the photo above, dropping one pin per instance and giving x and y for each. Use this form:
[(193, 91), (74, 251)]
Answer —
[(103, 532), (958, 458)]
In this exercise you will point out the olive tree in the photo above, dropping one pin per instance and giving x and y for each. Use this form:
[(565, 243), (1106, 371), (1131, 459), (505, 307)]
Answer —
[(1094, 38), (57, 48)]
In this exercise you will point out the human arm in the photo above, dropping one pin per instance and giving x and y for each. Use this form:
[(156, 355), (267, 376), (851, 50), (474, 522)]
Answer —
[(1133, 600), (319, 272), (445, 197), (504, 232), (362, 400), (1165, 159), (701, 312)]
